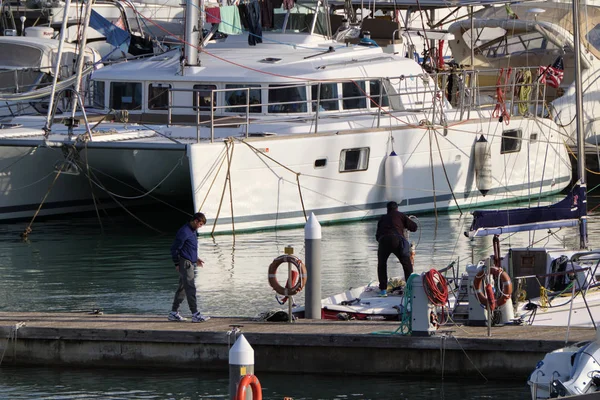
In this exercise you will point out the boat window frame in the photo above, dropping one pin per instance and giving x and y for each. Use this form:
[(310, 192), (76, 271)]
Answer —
[(362, 97), (166, 93), (362, 163), (140, 105), (336, 99), (254, 87), (286, 106), (96, 101), (201, 93), (374, 98), (511, 144)]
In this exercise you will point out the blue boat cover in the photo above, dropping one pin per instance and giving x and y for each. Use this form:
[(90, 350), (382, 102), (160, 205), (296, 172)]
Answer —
[(562, 214), (114, 35)]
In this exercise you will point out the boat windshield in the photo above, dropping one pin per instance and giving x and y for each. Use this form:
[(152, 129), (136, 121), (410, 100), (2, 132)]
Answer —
[(300, 18)]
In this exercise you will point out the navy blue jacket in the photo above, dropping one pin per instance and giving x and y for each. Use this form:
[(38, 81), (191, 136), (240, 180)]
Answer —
[(185, 244)]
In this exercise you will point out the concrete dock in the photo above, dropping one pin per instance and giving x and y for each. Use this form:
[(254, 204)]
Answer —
[(305, 346)]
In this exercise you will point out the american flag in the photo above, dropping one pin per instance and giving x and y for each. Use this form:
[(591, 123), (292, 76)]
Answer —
[(552, 74)]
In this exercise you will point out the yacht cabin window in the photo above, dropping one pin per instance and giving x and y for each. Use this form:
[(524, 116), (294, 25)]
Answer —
[(354, 94), (237, 99), (202, 97), (158, 96), (321, 163), (375, 92), (354, 159), (511, 141), (508, 44), (97, 99), (326, 97), (126, 95), (287, 99)]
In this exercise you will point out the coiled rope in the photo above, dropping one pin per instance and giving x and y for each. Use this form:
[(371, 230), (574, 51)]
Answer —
[(436, 288)]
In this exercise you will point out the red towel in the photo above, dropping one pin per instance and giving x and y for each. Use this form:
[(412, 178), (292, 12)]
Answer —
[(213, 15)]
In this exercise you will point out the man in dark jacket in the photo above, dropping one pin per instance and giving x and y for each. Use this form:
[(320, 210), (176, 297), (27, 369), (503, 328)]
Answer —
[(185, 257), (390, 235)]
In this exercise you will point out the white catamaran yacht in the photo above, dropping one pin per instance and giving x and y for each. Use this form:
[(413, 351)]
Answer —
[(257, 135)]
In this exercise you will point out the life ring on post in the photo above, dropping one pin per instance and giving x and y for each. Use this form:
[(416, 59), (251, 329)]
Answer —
[(252, 381), (485, 294), (297, 286)]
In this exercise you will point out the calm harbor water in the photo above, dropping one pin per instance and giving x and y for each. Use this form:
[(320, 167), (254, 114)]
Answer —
[(75, 265)]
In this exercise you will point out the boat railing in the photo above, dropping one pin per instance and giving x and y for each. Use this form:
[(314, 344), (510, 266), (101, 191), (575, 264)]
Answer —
[(433, 95)]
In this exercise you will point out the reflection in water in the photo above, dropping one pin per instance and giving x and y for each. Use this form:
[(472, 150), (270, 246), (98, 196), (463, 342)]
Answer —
[(38, 383)]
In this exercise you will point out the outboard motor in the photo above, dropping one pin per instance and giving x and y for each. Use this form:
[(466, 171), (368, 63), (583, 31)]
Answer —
[(585, 374), (568, 371)]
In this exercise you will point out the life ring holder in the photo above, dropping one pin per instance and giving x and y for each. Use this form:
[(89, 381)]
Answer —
[(302, 275), (253, 382), (505, 288)]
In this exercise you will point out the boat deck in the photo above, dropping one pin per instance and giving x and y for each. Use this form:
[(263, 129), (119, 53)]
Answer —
[(309, 346)]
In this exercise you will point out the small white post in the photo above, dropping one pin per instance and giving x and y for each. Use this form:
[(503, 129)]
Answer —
[(241, 363), (312, 242)]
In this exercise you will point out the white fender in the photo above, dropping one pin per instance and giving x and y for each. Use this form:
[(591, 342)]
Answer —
[(394, 178), (483, 165)]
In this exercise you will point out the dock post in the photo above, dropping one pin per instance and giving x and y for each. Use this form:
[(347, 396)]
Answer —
[(312, 242), (241, 363)]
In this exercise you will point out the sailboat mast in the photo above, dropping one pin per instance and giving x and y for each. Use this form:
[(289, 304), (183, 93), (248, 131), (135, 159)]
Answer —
[(579, 121), (192, 31)]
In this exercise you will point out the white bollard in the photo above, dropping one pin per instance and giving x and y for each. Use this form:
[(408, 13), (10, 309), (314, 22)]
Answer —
[(422, 310), (312, 242), (241, 363)]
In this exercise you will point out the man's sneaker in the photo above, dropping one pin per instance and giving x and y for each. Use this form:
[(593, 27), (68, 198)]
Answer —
[(175, 316), (382, 293), (197, 317)]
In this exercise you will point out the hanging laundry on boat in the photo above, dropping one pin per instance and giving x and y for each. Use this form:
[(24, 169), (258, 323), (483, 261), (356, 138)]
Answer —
[(253, 22), (267, 13), (230, 21), (552, 74), (114, 35), (213, 15)]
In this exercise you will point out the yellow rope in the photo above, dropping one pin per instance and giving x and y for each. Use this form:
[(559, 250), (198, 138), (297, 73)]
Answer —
[(525, 91), (544, 302)]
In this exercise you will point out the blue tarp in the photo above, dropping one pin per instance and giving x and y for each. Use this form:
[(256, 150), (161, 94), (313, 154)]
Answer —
[(114, 35), (564, 213)]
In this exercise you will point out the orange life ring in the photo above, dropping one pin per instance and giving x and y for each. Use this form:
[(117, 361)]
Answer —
[(505, 286), (298, 285), (252, 381)]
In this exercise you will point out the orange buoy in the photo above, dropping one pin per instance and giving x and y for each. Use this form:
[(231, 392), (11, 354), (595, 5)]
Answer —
[(252, 381), (300, 281)]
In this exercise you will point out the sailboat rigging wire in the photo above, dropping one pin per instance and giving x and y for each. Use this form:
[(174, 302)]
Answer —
[(177, 164), (229, 161), (125, 208), (27, 230), (432, 177), (18, 159), (87, 166), (223, 157), (134, 188), (446, 172), (228, 142)]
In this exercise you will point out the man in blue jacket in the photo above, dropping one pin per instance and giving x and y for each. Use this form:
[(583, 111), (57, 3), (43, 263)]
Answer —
[(185, 256)]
